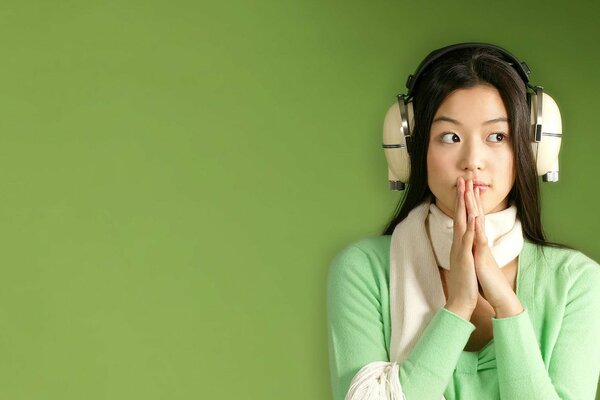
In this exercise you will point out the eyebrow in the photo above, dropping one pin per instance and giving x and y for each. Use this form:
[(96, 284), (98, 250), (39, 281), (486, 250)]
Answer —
[(455, 122)]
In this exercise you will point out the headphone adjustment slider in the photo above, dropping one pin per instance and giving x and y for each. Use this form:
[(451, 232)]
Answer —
[(397, 185), (551, 176)]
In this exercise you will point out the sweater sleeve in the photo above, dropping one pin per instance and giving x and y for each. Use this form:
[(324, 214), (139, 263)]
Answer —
[(356, 331), (574, 366)]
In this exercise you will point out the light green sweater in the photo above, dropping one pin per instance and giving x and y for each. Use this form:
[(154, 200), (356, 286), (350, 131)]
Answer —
[(550, 351)]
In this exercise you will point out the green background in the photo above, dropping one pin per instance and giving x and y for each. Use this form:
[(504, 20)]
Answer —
[(176, 177)]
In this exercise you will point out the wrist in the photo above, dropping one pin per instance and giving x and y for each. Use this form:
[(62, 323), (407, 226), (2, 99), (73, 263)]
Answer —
[(509, 310), (463, 312)]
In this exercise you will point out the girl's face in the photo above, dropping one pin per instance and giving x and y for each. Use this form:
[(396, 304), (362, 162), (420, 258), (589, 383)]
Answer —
[(470, 138)]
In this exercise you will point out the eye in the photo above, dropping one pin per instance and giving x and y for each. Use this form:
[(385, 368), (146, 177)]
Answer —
[(497, 137), (450, 137)]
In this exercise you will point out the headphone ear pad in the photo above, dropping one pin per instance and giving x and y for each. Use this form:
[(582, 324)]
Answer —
[(550, 125), (397, 157)]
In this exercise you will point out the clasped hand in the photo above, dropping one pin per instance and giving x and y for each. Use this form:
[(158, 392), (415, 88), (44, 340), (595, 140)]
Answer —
[(472, 266)]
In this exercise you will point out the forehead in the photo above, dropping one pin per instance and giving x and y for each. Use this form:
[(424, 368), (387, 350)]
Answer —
[(474, 105)]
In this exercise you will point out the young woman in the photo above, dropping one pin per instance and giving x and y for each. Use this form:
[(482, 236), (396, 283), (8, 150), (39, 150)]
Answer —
[(462, 297)]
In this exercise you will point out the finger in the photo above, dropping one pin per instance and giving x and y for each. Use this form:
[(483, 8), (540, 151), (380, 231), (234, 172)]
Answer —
[(460, 214), (480, 236), (480, 205), (470, 200), (469, 236)]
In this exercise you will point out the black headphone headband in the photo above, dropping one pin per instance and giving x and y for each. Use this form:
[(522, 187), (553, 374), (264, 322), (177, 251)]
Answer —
[(520, 66)]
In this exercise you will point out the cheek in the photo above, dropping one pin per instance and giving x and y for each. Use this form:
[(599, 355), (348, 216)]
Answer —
[(506, 169), (433, 160), (509, 164), (437, 164), (432, 168), (438, 170)]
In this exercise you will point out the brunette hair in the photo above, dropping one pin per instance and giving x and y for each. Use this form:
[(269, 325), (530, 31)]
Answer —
[(467, 68)]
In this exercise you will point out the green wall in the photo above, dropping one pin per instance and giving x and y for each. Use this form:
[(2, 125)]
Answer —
[(176, 177)]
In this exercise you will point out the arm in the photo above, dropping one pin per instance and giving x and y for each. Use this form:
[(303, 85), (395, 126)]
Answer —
[(357, 295), (574, 366)]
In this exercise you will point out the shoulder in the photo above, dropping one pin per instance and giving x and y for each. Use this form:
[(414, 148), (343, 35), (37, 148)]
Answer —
[(566, 261), (574, 269), (366, 260)]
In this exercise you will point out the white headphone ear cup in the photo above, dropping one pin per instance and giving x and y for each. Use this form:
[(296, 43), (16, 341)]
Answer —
[(398, 159), (547, 149)]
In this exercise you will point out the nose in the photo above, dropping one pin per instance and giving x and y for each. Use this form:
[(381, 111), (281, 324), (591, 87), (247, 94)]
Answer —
[(472, 156)]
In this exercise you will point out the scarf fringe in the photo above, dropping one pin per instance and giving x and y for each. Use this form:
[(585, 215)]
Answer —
[(378, 380)]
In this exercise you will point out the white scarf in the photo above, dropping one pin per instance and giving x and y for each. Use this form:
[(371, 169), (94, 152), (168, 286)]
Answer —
[(419, 244)]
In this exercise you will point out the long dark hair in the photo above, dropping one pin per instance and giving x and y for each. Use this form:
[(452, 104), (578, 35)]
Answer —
[(467, 68)]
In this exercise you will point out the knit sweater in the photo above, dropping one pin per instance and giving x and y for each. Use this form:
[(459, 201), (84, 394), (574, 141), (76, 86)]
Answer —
[(549, 351)]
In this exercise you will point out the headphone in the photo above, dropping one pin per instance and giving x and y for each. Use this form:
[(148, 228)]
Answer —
[(546, 126)]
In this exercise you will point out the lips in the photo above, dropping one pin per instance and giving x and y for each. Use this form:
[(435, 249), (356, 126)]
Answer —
[(481, 186)]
